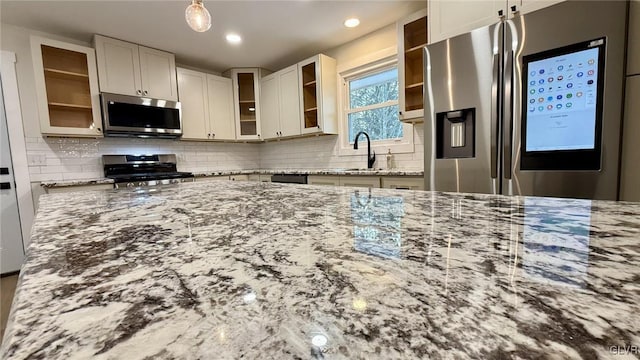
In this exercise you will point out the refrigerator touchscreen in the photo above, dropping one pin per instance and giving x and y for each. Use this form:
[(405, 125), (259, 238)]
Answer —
[(562, 107), (562, 102)]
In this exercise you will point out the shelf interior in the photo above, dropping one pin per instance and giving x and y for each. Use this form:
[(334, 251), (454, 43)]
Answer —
[(66, 77), (415, 33), (413, 99)]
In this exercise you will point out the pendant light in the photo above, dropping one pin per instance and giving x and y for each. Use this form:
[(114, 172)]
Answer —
[(198, 16)]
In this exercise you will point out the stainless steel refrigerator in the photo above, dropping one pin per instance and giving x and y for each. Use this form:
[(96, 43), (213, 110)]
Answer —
[(531, 105)]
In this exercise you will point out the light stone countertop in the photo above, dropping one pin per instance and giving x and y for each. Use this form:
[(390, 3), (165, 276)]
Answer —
[(230, 270), (335, 172)]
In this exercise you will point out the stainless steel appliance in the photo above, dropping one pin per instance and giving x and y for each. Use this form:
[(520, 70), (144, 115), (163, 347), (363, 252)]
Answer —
[(529, 106), (143, 170), (141, 117), (11, 245), (289, 178)]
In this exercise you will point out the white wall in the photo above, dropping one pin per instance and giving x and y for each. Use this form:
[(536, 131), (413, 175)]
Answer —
[(322, 152)]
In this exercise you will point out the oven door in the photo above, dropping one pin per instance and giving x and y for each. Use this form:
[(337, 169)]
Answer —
[(141, 117)]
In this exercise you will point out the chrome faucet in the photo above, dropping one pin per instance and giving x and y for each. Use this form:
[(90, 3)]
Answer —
[(371, 158)]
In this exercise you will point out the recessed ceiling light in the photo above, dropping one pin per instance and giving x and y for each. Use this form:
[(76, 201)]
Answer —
[(234, 39), (352, 22)]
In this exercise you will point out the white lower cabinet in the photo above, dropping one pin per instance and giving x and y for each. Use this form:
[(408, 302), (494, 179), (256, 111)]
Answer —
[(402, 183), (213, 178), (260, 178), (239, 177), (630, 172), (207, 106), (67, 189), (323, 180), (360, 181)]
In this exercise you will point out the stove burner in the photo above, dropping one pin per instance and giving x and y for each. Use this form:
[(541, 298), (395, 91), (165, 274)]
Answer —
[(143, 170)]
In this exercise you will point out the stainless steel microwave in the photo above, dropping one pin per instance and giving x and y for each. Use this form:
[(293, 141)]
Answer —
[(140, 117)]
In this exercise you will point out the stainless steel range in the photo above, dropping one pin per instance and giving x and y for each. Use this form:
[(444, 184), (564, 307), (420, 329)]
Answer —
[(143, 170)]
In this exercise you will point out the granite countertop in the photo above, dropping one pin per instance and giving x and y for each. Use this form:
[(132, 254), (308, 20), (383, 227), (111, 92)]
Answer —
[(337, 172), (273, 271)]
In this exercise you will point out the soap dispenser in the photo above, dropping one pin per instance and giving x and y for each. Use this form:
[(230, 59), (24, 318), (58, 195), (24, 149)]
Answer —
[(389, 160)]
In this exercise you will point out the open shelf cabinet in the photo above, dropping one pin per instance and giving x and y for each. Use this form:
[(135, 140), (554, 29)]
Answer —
[(412, 33), (318, 95), (67, 88)]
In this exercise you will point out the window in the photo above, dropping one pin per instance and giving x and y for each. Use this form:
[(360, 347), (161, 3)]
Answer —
[(369, 103), (372, 105)]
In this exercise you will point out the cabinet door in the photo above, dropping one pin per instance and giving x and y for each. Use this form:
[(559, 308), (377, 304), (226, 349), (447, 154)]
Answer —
[(527, 6), (323, 180), (158, 74), (633, 41), (289, 101), (270, 106), (118, 66), (192, 86), (360, 181), (318, 95), (451, 18), (412, 38), (67, 91), (247, 103), (221, 120), (402, 183)]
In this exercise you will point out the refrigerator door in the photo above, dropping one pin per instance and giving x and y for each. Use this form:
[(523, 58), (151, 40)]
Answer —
[(549, 29), (462, 112)]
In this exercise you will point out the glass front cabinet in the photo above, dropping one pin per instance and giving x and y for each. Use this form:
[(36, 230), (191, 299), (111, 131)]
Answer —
[(246, 98), (67, 88)]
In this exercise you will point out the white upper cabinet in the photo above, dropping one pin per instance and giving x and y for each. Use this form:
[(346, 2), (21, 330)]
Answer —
[(207, 106), (130, 69), (246, 98), (451, 18), (633, 40), (280, 104), (412, 38), (66, 88), (221, 118), (318, 95), (158, 72), (192, 86), (289, 101), (270, 106)]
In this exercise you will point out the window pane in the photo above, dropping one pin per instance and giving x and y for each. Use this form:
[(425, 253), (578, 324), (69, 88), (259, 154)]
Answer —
[(380, 124), (374, 89)]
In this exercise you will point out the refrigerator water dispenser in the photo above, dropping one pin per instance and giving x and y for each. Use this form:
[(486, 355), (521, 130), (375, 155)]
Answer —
[(455, 134)]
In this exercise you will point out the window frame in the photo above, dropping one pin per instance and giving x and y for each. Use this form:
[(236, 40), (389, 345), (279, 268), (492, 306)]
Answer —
[(360, 68)]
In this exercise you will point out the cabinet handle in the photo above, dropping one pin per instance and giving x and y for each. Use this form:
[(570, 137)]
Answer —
[(146, 92), (99, 130), (213, 135), (208, 135), (139, 92)]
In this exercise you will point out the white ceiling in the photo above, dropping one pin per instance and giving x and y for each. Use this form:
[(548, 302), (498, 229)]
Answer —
[(275, 33)]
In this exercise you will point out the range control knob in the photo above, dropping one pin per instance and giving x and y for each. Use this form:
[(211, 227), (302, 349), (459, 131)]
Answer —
[(142, 183), (130, 185), (175, 181)]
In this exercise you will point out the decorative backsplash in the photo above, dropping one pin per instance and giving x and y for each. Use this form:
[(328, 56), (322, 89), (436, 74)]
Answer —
[(54, 159), (69, 159)]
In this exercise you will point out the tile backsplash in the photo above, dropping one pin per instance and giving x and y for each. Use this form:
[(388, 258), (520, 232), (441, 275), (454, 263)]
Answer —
[(322, 153), (55, 159)]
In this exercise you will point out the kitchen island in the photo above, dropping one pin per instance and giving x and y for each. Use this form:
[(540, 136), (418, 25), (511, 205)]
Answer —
[(231, 270)]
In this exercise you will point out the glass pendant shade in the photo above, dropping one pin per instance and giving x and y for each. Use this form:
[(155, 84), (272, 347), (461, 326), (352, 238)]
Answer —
[(198, 16)]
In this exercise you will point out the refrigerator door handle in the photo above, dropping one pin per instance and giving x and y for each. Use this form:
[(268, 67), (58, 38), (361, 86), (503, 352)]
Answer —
[(508, 115), (495, 115)]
